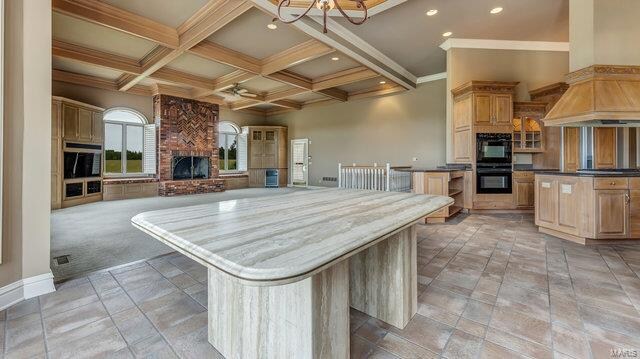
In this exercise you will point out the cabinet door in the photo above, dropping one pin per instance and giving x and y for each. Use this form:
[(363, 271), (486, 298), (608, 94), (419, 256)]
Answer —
[(85, 124), (256, 154), (570, 202), (634, 213), (546, 201), (612, 213), (462, 110), (482, 109), (270, 149), (96, 127), (502, 109), (571, 149), (523, 190), (604, 151), (69, 122), (462, 146)]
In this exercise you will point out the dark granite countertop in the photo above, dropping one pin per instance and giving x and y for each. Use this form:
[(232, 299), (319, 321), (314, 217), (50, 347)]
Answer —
[(519, 169), (625, 172), (447, 168)]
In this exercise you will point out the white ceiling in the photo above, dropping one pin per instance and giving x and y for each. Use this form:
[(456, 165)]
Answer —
[(249, 35), (406, 35), (324, 66), (199, 66), (171, 13)]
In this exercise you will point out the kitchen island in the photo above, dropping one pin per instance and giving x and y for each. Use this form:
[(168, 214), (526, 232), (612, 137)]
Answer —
[(589, 207), (284, 270)]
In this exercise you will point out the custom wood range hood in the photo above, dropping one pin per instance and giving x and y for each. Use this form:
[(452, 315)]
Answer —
[(604, 82), (599, 96)]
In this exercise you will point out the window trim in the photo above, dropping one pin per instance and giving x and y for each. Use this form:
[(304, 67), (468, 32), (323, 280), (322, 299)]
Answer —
[(124, 125), (226, 153)]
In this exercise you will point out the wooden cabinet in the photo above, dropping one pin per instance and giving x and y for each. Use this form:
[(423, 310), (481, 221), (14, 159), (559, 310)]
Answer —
[(587, 210), (604, 149), (267, 148), (81, 123), (456, 184), (528, 129), (56, 155), (479, 106), (462, 131), (571, 149), (73, 121), (612, 213), (523, 189)]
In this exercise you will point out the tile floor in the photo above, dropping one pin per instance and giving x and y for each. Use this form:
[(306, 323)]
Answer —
[(490, 287)]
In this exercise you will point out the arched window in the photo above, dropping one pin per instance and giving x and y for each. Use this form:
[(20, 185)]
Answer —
[(124, 132), (228, 137)]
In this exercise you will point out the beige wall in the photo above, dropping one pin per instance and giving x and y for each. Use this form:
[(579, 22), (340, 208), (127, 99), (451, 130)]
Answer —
[(391, 129), (27, 134), (604, 32), (533, 69)]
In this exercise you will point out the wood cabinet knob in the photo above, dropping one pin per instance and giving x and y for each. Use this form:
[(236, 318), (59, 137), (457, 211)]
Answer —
[(613, 183)]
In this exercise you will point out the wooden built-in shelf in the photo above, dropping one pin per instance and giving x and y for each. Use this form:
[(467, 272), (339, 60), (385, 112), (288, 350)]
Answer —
[(455, 184), (454, 191)]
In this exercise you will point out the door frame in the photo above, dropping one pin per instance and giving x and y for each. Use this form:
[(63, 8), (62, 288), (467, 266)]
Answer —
[(304, 141)]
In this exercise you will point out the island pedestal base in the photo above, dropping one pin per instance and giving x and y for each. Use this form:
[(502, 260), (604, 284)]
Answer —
[(384, 279), (310, 318)]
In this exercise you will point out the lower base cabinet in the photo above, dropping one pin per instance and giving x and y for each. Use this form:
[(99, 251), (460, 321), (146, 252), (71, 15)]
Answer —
[(523, 189), (584, 209)]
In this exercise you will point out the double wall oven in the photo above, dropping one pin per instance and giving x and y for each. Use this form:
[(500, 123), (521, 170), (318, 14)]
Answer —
[(493, 163)]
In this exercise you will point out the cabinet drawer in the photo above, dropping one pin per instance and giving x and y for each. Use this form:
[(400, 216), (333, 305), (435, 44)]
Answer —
[(524, 174), (610, 183), (634, 183)]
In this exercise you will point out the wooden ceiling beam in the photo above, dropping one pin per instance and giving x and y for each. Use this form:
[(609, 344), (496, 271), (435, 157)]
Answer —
[(74, 52), (110, 16), (292, 79), (283, 94), (335, 93), (212, 51), (203, 24), (296, 55), (96, 82), (288, 104), (182, 78), (343, 78), (376, 91), (244, 103)]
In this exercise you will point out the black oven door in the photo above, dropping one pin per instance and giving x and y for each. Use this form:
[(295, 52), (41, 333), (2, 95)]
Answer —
[(493, 148), (493, 181)]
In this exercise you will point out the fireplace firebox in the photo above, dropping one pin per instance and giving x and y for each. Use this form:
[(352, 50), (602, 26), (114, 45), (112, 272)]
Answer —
[(190, 167)]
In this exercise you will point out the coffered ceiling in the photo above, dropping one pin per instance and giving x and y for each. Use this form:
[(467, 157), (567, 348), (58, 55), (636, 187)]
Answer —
[(201, 49)]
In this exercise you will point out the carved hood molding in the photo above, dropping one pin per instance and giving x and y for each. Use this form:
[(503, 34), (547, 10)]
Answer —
[(599, 95)]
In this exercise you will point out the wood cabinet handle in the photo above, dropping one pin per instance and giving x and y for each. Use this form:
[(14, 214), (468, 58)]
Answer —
[(627, 199), (613, 183)]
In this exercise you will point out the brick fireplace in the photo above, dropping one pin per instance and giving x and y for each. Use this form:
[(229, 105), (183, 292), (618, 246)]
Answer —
[(188, 130)]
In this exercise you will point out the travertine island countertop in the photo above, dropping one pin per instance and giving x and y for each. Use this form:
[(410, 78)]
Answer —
[(289, 237)]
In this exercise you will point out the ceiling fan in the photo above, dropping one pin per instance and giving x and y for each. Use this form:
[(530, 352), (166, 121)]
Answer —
[(237, 91)]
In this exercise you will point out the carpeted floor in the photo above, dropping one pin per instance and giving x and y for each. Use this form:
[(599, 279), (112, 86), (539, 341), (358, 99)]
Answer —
[(100, 235)]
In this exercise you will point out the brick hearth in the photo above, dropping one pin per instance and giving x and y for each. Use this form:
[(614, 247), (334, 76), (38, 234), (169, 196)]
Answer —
[(187, 128)]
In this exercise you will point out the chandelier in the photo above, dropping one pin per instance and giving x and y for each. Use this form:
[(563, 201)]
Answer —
[(325, 6)]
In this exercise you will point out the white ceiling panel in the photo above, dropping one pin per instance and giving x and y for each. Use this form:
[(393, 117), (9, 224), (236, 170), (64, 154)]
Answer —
[(324, 65), (87, 34), (84, 69), (199, 66), (168, 12)]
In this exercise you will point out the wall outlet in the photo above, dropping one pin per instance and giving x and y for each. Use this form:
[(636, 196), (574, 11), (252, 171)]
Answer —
[(415, 159)]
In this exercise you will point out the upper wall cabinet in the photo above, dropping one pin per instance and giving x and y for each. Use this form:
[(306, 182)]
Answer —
[(528, 129), (479, 107), (81, 123)]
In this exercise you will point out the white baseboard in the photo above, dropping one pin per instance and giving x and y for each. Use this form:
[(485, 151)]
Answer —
[(25, 289)]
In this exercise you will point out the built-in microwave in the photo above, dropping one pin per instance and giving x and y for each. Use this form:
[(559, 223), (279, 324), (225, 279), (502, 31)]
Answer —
[(493, 148)]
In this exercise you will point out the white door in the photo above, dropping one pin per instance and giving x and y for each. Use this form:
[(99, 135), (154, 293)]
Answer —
[(300, 162)]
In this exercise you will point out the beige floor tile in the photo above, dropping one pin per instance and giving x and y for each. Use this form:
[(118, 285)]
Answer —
[(519, 345), (478, 311), (23, 308), (462, 345), (522, 325), (494, 351), (570, 342), (443, 299), (133, 325), (59, 324), (471, 327), (24, 337), (67, 298), (524, 300), (426, 333), (116, 300), (403, 348)]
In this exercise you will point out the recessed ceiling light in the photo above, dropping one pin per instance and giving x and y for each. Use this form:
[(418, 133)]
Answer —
[(272, 26), (383, 82), (432, 12), (496, 10), (335, 58), (447, 34)]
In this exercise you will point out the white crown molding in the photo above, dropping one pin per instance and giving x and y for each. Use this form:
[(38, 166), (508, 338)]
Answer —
[(434, 77), (504, 45), (25, 289)]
